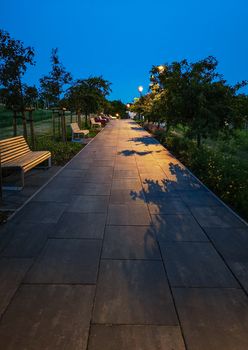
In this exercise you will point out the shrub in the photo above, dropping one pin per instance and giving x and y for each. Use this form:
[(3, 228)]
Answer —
[(61, 152)]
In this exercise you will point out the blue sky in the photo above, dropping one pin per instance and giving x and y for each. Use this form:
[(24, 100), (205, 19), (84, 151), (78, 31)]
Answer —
[(121, 40)]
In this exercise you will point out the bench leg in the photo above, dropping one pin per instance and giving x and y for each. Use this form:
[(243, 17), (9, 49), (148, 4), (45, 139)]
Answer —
[(49, 162)]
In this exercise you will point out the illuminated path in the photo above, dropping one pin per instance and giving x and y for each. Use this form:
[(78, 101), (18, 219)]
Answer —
[(124, 250)]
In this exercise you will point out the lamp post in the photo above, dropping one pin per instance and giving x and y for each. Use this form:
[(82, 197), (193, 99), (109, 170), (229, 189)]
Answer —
[(140, 89)]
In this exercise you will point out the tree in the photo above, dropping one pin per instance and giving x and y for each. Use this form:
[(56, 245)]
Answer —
[(88, 95), (52, 85), (14, 59), (196, 96), (115, 107)]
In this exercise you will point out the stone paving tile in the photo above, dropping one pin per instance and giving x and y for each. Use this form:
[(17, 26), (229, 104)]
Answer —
[(135, 338), (40, 212), (191, 264), (126, 174), (6, 233), (53, 195), (27, 240), (219, 217), (92, 189), (12, 271), (130, 242), (178, 227), (89, 204), (99, 177), (126, 184), (167, 206), (128, 214), (48, 317), (140, 295), (67, 261), (233, 246), (72, 173), (198, 198), (213, 319), (105, 163), (127, 196), (80, 225), (65, 182)]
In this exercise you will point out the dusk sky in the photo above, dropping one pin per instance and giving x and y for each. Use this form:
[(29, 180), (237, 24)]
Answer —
[(121, 40)]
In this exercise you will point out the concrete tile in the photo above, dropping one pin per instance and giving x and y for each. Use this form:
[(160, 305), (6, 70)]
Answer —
[(191, 264), (28, 239), (141, 294), (126, 174), (48, 317), (67, 261), (80, 225), (12, 272), (126, 184), (198, 198), (130, 242), (92, 189), (53, 195), (72, 173), (41, 212), (167, 206), (178, 227), (89, 204), (219, 217), (127, 196), (127, 214), (213, 318), (135, 338), (233, 246)]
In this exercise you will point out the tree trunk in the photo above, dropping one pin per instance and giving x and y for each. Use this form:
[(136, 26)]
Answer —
[(32, 129), (15, 123), (53, 121), (86, 119), (24, 124), (63, 127), (79, 119)]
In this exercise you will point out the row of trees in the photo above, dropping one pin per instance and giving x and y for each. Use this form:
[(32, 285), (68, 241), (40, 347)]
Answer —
[(57, 88), (194, 95)]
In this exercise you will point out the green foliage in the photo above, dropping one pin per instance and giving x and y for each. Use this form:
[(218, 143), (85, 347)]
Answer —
[(61, 152), (88, 95), (194, 95), (224, 172), (115, 107)]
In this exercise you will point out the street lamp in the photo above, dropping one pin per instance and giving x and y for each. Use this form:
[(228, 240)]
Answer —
[(161, 68), (140, 89)]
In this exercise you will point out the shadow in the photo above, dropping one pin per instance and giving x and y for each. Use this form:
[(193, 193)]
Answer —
[(145, 140), (128, 152)]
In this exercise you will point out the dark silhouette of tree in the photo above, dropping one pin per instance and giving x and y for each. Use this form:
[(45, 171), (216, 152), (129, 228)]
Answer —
[(88, 95), (52, 85)]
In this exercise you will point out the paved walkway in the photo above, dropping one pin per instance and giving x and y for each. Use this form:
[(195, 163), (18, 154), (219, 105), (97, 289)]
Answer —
[(124, 250)]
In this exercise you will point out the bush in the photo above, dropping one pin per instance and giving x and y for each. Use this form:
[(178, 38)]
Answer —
[(61, 152), (225, 174)]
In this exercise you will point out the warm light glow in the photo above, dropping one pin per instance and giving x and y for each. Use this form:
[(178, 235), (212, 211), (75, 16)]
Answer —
[(160, 68), (140, 88), (128, 105), (117, 114)]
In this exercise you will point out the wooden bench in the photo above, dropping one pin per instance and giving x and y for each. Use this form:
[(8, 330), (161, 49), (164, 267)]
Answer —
[(15, 153), (94, 123), (77, 133)]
